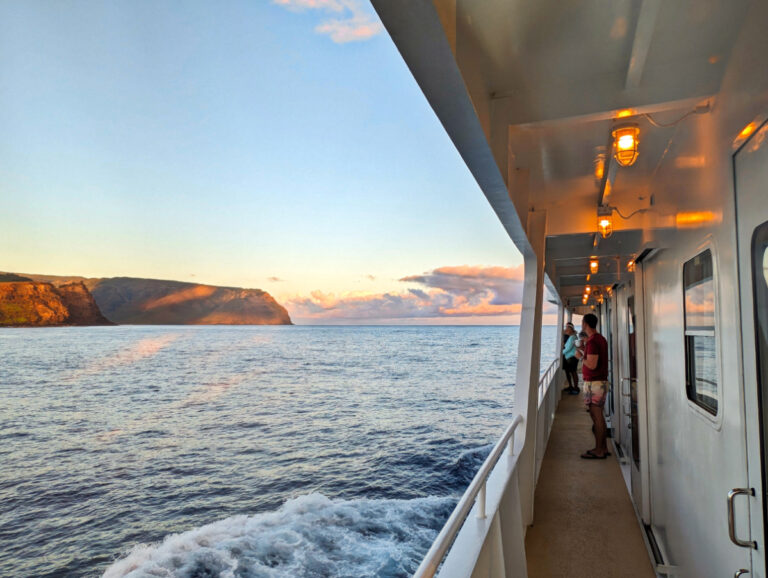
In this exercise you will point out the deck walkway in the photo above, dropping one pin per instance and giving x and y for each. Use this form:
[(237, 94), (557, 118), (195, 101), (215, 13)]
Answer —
[(584, 522)]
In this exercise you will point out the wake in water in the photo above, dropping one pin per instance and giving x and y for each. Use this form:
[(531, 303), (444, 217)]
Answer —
[(128, 434), (310, 536)]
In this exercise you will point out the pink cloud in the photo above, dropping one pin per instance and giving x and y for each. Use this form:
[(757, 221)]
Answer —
[(352, 24), (443, 293)]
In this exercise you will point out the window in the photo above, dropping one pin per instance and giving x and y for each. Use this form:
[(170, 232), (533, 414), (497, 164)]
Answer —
[(700, 345)]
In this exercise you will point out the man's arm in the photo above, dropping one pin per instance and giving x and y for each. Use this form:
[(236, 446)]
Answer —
[(589, 359)]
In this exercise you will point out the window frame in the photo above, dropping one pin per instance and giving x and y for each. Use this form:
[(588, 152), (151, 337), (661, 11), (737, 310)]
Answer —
[(696, 406)]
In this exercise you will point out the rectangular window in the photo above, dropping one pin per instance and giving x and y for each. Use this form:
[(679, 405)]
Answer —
[(700, 345)]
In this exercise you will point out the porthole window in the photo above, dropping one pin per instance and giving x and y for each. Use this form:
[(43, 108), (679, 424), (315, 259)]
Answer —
[(700, 343)]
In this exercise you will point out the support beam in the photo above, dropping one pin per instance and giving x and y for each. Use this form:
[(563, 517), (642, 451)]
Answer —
[(529, 360), (610, 169), (646, 24)]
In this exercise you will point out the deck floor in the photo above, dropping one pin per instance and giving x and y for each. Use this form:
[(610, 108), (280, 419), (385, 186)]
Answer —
[(584, 522)]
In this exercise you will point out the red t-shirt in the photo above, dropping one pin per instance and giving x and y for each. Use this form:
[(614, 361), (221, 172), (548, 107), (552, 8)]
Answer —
[(596, 345)]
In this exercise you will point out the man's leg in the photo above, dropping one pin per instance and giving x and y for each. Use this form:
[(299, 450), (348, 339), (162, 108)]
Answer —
[(596, 412)]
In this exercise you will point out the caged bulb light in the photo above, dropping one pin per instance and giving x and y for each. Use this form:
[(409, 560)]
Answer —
[(605, 221), (594, 265), (625, 141)]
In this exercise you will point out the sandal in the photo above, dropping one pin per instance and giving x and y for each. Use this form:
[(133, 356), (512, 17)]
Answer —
[(589, 455)]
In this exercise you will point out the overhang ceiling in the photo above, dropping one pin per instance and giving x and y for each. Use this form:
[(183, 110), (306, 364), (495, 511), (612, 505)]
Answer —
[(546, 81)]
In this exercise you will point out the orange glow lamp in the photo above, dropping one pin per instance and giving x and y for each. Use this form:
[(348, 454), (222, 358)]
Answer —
[(605, 221), (626, 137)]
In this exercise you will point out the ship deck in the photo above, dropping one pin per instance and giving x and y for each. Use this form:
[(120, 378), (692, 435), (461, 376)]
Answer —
[(584, 522)]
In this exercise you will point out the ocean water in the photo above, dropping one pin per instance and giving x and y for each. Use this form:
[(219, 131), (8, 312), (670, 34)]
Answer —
[(242, 451)]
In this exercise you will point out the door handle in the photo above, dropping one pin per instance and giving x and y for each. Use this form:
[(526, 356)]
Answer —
[(732, 520), (740, 573)]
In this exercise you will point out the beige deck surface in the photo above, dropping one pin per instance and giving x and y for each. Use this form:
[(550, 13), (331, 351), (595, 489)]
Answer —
[(584, 523)]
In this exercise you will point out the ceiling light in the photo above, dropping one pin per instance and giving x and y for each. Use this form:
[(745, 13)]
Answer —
[(593, 266), (605, 221), (631, 265), (625, 141), (748, 130)]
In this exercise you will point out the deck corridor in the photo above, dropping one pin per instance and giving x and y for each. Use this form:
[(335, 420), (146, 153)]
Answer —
[(584, 523)]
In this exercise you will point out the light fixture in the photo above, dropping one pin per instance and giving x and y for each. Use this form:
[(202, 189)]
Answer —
[(625, 141), (748, 130), (587, 289), (631, 265), (604, 221), (594, 265)]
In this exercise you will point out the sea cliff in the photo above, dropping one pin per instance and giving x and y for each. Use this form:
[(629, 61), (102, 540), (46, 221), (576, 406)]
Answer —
[(155, 302), (36, 304), (38, 300)]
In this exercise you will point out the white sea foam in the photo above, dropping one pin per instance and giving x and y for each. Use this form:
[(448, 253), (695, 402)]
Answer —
[(310, 536)]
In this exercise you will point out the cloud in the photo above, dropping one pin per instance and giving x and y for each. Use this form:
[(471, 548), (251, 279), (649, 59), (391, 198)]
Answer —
[(505, 284), (443, 293), (275, 279), (351, 22), (371, 277)]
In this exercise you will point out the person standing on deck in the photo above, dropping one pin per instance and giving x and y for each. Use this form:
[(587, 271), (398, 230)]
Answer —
[(570, 361), (595, 373)]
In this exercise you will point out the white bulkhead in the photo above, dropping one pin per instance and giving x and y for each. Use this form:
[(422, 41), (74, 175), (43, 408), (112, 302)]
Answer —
[(532, 92)]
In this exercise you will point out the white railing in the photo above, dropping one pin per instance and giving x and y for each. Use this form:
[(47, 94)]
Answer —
[(549, 395), (475, 491), (475, 495), (546, 378)]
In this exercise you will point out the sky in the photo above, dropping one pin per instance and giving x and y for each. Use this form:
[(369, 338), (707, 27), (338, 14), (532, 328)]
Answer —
[(281, 145)]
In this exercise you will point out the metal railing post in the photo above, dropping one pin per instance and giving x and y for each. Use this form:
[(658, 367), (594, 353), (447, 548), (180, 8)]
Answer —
[(481, 502)]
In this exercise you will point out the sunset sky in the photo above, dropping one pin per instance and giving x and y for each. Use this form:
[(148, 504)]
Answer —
[(282, 145)]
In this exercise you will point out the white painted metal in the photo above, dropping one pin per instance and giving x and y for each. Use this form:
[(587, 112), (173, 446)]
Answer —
[(641, 480), (646, 26), (751, 172), (621, 364), (527, 90), (697, 458), (469, 501), (493, 496), (529, 359), (546, 412)]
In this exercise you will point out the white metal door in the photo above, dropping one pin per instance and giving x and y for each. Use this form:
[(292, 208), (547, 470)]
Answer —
[(751, 174), (695, 457), (623, 377)]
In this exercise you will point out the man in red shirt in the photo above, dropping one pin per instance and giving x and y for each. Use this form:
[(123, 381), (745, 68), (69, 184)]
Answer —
[(594, 370)]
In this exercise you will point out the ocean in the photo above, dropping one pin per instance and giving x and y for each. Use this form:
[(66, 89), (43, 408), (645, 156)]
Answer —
[(242, 451)]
